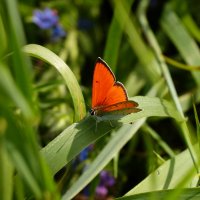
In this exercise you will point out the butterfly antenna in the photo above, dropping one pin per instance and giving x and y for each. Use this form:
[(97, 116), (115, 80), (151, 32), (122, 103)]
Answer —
[(111, 124), (96, 126), (87, 107)]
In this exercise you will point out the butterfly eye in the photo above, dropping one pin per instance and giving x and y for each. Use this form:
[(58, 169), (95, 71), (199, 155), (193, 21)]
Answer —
[(92, 111)]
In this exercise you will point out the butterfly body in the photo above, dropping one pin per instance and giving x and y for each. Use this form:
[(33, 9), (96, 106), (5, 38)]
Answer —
[(109, 97)]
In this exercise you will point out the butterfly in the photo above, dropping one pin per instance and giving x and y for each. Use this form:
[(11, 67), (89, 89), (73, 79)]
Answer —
[(109, 97)]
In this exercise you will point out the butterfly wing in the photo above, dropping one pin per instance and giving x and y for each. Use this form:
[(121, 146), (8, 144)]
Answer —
[(105, 90), (116, 94), (121, 108)]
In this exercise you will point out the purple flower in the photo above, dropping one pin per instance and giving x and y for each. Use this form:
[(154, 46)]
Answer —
[(57, 32), (101, 191), (106, 181), (84, 153), (45, 19)]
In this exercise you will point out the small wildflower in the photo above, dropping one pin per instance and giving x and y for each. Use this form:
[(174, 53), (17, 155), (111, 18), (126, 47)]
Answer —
[(45, 19), (57, 32), (101, 191), (84, 153), (106, 181)]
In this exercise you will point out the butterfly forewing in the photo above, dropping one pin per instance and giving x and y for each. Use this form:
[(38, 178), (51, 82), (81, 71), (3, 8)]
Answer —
[(103, 80), (105, 89)]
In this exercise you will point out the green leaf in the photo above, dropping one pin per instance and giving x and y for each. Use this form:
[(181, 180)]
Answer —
[(114, 37), (121, 137), (8, 85), (149, 62), (185, 194), (178, 171), (71, 81), (197, 123), (21, 65), (185, 44), (152, 106), (118, 140), (6, 169), (79, 135)]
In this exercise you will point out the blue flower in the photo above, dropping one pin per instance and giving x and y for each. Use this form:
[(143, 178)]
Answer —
[(57, 32), (45, 19), (84, 153), (106, 181)]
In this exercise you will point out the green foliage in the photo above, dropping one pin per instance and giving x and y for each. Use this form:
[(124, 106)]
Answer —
[(43, 122)]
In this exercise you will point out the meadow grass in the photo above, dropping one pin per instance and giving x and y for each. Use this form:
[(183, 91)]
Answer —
[(44, 126)]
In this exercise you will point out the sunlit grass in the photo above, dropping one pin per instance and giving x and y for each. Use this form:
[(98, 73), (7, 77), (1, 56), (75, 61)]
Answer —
[(39, 147)]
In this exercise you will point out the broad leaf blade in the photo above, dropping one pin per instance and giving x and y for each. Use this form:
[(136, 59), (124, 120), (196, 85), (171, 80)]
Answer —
[(185, 194)]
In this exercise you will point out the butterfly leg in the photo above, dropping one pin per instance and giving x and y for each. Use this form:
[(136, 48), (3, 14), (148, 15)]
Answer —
[(111, 124), (96, 122), (96, 126)]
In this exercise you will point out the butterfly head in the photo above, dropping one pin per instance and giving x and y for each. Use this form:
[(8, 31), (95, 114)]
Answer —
[(92, 112)]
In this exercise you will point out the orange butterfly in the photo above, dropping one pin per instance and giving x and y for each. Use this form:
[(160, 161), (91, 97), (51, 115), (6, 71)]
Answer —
[(109, 97)]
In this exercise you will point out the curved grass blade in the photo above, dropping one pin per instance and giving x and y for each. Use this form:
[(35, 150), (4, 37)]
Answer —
[(180, 65), (71, 81)]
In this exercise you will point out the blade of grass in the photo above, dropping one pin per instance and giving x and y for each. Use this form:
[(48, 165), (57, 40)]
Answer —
[(180, 65), (118, 140), (192, 194), (79, 135), (21, 65), (191, 25), (148, 61), (71, 81), (187, 99), (8, 85), (197, 123), (152, 40), (178, 171), (159, 140), (185, 44), (68, 144), (23, 151), (6, 169), (3, 38), (114, 38), (110, 150), (22, 168)]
